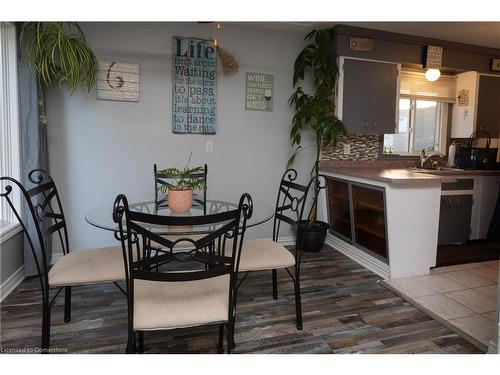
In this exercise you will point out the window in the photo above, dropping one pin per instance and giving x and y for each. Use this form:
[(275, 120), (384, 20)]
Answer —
[(423, 115), (9, 123), (422, 126)]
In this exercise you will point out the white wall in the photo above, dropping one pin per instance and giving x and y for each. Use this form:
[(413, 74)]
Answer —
[(101, 148)]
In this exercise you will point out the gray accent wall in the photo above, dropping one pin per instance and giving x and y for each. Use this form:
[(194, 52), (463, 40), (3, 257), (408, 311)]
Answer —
[(11, 256), (98, 149)]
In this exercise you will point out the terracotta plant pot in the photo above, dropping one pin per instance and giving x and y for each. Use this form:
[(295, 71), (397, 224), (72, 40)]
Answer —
[(180, 200)]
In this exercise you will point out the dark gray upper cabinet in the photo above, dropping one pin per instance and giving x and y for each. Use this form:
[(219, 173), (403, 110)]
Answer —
[(368, 96), (488, 105)]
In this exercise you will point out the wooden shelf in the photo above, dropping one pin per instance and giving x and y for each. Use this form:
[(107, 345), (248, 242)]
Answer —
[(369, 205), (370, 229)]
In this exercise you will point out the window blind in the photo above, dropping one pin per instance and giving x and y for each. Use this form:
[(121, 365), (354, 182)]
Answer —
[(414, 85)]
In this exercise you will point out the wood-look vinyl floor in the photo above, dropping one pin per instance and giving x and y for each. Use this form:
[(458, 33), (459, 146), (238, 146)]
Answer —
[(345, 311)]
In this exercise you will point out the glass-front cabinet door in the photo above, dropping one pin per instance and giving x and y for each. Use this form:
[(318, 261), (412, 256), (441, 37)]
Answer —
[(339, 206), (369, 219), (357, 215)]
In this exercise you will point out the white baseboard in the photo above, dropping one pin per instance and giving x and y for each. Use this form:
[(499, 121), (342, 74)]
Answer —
[(359, 256), (11, 283), (56, 257)]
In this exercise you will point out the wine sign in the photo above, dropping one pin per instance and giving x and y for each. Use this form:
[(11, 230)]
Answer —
[(194, 86), (259, 92), (118, 81)]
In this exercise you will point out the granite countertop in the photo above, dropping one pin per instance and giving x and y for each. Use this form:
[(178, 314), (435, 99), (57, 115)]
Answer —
[(390, 175), (397, 172)]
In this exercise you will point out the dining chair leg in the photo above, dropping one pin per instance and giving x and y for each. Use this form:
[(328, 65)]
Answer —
[(220, 346), (230, 336), (275, 284), (67, 304), (45, 325), (298, 301), (131, 343), (140, 342)]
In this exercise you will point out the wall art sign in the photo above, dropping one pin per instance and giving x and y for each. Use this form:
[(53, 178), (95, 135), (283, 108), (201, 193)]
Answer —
[(259, 92), (495, 65), (433, 57), (463, 97), (118, 81), (361, 44), (194, 86)]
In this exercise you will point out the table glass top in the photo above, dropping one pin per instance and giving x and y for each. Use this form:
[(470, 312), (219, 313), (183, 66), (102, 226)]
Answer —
[(102, 217)]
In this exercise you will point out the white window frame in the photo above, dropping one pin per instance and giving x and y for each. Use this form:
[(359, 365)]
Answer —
[(443, 127), (9, 122)]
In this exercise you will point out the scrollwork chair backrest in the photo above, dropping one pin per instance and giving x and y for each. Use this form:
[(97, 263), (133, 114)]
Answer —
[(292, 201), (136, 231), (45, 214)]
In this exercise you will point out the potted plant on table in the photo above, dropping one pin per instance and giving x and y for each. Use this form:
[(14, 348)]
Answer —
[(314, 109), (179, 186)]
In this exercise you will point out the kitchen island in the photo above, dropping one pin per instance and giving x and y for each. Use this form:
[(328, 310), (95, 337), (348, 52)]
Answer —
[(388, 219)]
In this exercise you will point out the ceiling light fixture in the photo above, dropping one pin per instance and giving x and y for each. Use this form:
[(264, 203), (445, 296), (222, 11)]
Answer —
[(432, 74)]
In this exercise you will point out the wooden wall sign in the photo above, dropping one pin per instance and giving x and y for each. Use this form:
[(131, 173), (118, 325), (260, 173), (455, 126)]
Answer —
[(361, 44), (118, 81), (495, 65), (434, 57), (463, 97), (259, 92), (194, 86)]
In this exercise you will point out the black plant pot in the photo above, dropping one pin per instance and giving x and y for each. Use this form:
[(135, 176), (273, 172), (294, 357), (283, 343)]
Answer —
[(311, 236)]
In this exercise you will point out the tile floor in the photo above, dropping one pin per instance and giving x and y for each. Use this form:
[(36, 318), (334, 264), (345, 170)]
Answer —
[(463, 296)]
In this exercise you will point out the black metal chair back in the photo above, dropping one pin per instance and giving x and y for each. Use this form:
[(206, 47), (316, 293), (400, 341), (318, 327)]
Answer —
[(292, 201), (46, 214), (136, 232), (161, 199)]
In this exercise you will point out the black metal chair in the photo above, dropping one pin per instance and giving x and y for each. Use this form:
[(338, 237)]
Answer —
[(161, 199), (166, 292), (81, 267), (260, 254)]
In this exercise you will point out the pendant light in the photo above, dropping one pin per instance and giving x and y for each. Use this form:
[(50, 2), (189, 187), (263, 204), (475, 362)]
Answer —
[(432, 74)]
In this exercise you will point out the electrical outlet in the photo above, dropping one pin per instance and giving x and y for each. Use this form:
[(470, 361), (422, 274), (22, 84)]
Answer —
[(209, 146), (347, 148)]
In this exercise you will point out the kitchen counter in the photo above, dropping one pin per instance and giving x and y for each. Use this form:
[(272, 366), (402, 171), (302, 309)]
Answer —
[(406, 175), (389, 175)]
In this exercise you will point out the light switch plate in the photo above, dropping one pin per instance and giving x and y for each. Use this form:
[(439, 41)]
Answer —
[(347, 149), (209, 146)]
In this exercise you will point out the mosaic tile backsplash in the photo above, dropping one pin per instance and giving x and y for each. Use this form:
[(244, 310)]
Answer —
[(363, 147)]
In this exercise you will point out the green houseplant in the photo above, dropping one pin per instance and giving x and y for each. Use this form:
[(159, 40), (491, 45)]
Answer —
[(179, 184), (58, 53), (314, 109)]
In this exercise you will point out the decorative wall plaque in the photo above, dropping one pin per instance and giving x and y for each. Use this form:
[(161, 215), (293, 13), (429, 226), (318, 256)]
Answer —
[(259, 92), (434, 57), (194, 86), (495, 65), (118, 81), (463, 97), (361, 44)]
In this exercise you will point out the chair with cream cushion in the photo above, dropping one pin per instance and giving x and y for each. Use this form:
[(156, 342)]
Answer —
[(46, 218), (261, 255), (183, 286)]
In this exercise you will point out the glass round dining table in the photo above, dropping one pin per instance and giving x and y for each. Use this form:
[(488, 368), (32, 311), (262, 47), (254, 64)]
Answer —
[(102, 217)]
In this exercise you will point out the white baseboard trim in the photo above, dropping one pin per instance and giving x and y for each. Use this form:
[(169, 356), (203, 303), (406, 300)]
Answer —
[(358, 256), (11, 283)]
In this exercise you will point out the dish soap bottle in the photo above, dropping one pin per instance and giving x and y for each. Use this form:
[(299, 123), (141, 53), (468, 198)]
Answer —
[(451, 154)]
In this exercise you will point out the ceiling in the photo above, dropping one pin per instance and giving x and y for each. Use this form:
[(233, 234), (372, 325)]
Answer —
[(485, 34)]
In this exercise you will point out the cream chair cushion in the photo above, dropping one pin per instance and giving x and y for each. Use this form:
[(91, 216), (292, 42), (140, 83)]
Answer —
[(169, 305), (257, 255), (88, 267)]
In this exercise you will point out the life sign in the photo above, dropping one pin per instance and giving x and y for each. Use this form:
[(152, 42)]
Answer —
[(194, 85), (259, 92)]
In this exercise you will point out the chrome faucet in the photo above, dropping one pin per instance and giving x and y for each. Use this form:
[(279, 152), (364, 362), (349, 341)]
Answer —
[(424, 158)]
